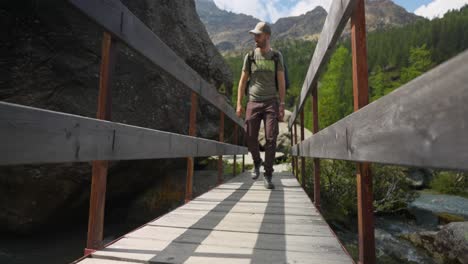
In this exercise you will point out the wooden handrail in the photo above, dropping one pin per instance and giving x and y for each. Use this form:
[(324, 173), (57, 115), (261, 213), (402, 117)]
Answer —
[(31, 135), (423, 124)]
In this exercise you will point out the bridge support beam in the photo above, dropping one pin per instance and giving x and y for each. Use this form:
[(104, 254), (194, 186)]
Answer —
[(236, 142), (303, 177), (315, 129), (99, 169), (292, 157), (243, 143), (243, 163), (296, 165), (361, 98), (221, 139), (192, 132)]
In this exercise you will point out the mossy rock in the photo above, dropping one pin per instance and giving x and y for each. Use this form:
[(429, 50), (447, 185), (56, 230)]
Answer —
[(446, 218)]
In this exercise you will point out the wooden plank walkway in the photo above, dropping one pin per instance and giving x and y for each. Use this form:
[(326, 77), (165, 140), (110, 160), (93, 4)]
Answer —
[(238, 222)]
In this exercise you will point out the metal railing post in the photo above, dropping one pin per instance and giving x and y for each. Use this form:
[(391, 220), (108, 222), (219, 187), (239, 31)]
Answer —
[(243, 144), (243, 163), (296, 165), (361, 98), (292, 157), (99, 167), (236, 141), (221, 139), (302, 158), (192, 132), (316, 160)]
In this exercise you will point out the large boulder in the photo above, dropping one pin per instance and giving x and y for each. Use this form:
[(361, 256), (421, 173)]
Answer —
[(284, 137), (50, 59), (449, 245), (419, 177)]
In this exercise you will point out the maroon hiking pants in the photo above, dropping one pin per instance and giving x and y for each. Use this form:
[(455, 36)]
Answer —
[(268, 111)]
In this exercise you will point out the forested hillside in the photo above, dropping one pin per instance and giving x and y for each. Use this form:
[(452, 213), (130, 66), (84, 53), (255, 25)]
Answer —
[(395, 56)]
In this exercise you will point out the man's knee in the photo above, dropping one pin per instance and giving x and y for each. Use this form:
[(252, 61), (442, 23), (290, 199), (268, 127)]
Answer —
[(270, 140), (272, 134)]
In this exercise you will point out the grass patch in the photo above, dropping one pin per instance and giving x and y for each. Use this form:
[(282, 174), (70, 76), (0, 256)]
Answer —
[(229, 167), (448, 182)]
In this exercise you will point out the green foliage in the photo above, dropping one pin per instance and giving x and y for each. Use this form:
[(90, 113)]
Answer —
[(338, 190), (235, 63), (446, 218), (335, 91), (380, 83), (444, 37), (419, 62), (228, 167), (297, 55), (451, 183), (392, 189)]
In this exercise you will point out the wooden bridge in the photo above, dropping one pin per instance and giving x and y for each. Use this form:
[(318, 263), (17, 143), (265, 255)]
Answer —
[(237, 222), (424, 123)]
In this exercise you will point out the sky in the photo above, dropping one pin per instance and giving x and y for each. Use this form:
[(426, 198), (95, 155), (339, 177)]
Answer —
[(272, 10)]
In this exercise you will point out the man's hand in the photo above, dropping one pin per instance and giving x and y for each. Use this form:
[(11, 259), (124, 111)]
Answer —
[(281, 113), (239, 111)]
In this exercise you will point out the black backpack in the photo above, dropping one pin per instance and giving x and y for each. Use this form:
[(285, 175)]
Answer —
[(250, 60)]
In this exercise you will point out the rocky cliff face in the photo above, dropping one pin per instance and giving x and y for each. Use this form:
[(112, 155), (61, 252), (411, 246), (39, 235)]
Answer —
[(229, 31), (50, 59), (306, 26), (385, 13)]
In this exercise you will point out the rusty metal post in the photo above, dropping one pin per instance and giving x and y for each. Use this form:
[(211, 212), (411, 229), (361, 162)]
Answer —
[(243, 163), (302, 158), (292, 157), (316, 160), (296, 164), (236, 141), (243, 144), (361, 98), (192, 132), (99, 170), (221, 139)]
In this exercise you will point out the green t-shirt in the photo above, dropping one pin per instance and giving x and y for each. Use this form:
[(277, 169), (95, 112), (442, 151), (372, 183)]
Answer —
[(262, 85)]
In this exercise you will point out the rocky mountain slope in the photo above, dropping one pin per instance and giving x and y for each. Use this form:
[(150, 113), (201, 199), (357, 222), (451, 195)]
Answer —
[(228, 30)]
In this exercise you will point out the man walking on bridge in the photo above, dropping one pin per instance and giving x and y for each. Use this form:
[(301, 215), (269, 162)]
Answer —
[(263, 76)]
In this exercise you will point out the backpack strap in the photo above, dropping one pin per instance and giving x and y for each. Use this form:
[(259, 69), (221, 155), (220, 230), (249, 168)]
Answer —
[(275, 58), (251, 59)]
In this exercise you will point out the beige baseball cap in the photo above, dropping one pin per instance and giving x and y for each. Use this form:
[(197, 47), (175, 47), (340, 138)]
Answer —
[(261, 27)]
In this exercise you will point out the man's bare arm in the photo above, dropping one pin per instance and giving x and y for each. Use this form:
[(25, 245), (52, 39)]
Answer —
[(241, 91)]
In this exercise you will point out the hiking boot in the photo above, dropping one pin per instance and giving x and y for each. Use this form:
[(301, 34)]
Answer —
[(267, 182), (257, 169)]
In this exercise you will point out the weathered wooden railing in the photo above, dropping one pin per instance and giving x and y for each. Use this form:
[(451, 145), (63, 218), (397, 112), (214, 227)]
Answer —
[(30, 135), (423, 123)]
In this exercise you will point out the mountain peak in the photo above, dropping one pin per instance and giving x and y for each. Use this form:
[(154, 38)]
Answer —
[(318, 9), (229, 31)]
